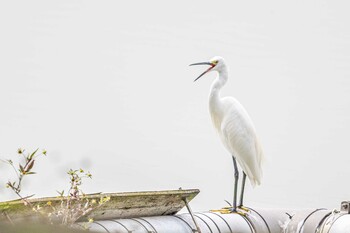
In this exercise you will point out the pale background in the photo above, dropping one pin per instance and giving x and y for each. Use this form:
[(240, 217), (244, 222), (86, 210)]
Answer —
[(105, 85)]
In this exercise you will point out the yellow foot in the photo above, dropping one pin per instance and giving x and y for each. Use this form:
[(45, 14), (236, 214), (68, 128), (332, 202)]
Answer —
[(230, 210), (222, 211), (246, 209), (244, 214)]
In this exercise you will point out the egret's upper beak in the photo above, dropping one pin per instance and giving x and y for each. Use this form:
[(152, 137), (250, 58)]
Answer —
[(203, 63)]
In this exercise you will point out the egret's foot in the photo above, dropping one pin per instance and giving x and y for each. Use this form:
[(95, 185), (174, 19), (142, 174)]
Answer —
[(246, 209), (240, 212), (230, 210), (224, 210)]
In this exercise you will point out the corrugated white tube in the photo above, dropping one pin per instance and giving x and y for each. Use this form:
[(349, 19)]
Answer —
[(254, 221)]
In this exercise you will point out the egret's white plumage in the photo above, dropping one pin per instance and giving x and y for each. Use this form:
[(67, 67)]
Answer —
[(233, 124), (237, 133)]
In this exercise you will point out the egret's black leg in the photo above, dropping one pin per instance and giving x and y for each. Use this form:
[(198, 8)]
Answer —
[(242, 190), (236, 176)]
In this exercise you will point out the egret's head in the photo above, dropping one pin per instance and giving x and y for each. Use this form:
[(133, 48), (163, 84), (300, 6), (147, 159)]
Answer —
[(216, 63)]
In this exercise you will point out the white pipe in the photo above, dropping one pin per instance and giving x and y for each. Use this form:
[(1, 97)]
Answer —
[(254, 221)]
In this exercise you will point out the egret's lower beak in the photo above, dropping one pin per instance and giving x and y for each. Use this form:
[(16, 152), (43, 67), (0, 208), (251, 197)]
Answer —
[(203, 63)]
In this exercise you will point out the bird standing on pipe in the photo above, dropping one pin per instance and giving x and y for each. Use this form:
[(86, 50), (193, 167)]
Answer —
[(235, 128)]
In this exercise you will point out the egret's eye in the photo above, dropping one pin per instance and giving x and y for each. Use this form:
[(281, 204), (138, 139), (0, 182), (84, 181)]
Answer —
[(215, 62)]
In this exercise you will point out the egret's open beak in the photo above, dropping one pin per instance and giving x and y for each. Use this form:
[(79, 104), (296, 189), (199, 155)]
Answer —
[(203, 63)]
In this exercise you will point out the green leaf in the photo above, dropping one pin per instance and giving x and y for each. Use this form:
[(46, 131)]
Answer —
[(30, 173), (29, 165), (60, 193), (32, 155), (21, 169)]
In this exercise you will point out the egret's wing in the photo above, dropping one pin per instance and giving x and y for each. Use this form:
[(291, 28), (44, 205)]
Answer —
[(238, 135)]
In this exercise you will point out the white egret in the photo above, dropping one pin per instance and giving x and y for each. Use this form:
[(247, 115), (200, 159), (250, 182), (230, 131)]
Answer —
[(235, 128)]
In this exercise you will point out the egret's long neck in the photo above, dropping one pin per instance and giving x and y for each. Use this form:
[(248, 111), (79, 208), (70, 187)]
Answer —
[(218, 83)]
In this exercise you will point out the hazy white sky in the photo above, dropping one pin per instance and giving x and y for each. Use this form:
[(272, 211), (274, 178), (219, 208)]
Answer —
[(105, 85)]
